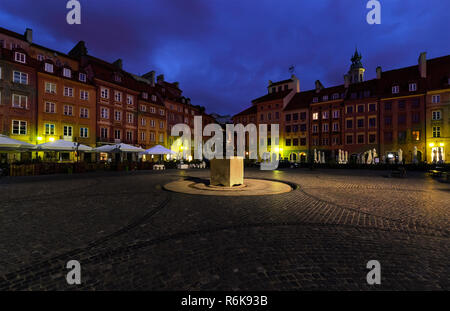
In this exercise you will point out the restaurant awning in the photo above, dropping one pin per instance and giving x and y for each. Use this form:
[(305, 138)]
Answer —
[(63, 145), (7, 143), (158, 149), (118, 148)]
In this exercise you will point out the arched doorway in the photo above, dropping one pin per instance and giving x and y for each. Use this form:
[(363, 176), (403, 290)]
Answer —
[(303, 157), (293, 157)]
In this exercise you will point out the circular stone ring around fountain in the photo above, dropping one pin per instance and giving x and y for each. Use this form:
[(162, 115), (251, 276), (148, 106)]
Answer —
[(227, 179)]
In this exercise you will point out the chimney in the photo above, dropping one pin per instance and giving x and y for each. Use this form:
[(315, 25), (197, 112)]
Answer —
[(319, 86), (423, 64), (79, 50), (379, 72), (160, 79), (118, 63), (29, 35), (346, 81), (296, 84), (150, 76)]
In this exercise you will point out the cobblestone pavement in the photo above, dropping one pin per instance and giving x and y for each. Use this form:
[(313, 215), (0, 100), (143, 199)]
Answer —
[(128, 233)]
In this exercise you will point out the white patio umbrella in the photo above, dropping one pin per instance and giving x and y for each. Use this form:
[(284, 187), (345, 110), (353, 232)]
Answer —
[(346, 157), (118, 148), (315, 156), (369, 157), (7, 143), (400, 156), (441, 159), (63, 145), (158, 149), (322, 158)]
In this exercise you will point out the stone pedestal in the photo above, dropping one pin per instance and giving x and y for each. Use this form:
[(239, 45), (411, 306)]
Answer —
[(227, 172)]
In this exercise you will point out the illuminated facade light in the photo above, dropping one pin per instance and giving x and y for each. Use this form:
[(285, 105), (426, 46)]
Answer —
[(431, 144)]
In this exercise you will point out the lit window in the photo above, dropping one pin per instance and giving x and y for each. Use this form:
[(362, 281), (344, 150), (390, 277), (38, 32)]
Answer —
[(20, 57), (49, 129), (315, 116), (436, 115), (395, 89), (436, 131), (413, 87), (67, 73), (19, 127), (416, 135), (50, 88), (48, 67)]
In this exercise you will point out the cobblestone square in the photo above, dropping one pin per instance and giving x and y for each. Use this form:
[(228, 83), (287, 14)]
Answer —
[(128, 233)]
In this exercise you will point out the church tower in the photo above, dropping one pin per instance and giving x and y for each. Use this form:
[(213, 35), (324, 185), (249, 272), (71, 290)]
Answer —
[(356, 72)]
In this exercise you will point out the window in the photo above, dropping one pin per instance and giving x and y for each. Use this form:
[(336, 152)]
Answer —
[(349, 123), (335, 127), (67, 73), (20, 57), (302, 127), (294, 116), (415, 135), (387, 120), (302, 115), (349, 139), (118, 96), (145, 95), (315, 128), (152, 123), (143, 108), (395, 89), (366, 93), (315, 99), (143, 122), (130, 118), (415, 117), (50, 107), (335, 114), (269, 116), (435, 99), (68, 91), (161, 138), (354, 95), (360, 138), (336, 96), (161, 112), (20, 77), (161, 124), (48, 67), (288, 128), (84, 132), (302, 141), (262, 117), (436, 115), (325, 98), (415, 103), (372, 107), (117, 115), (130, 100), (388, 106), (288, 142), (103, 132), (360, 108), (104, 93), (84, 95), (372, 122), (20, 101), (152, 109), (68, 110), (436, 131), (360, 123), (49, 129), (372, 138), (154, 99), (295, 128), (413, 87), (325, 127), (84, 113), (104, 113), (19, 127), (288, 117), (129, 135), (325, 115), (152, 136), (142, 135), (82, 77), (349, 109), (67, 130), (50, 87), (117, 134), (315, 116), (401, 104)]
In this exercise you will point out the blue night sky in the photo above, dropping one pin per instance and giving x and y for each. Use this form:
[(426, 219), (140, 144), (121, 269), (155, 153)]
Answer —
[(224, 52)]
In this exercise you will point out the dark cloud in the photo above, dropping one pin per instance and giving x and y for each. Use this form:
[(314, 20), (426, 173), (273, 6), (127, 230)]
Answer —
[(224, 52)]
